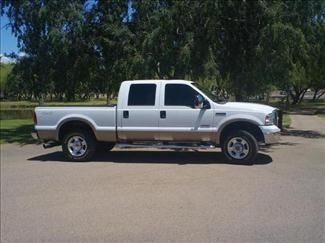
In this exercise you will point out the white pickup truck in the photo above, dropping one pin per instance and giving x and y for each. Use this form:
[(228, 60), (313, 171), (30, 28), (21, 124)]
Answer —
[(161, 114)]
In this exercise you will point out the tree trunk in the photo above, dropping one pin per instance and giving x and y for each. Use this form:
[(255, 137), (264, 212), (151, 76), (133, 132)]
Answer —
[(238, 95), (41, 99), (267, 97), (107, 97), (70, 96), (298, 94), (294, 97), (320, 95), (315, 94), (302, 96)]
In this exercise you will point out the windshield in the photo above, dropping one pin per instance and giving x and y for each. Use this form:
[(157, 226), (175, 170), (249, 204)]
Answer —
[(208, 93)]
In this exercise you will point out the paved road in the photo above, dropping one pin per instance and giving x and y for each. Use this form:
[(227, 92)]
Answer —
[(168, 196)]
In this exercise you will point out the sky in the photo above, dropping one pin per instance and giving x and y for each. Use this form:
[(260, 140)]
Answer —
[(8, 41)]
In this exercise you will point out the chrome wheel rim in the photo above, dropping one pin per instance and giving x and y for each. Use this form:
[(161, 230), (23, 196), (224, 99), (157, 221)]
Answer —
[(238, 148), (77, 146)]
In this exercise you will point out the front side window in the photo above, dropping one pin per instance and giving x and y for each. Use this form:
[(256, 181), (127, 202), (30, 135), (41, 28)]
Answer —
[(179, 95), (142, 95)]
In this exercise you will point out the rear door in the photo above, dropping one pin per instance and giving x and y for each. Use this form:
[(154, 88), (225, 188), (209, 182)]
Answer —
[(139, 113)]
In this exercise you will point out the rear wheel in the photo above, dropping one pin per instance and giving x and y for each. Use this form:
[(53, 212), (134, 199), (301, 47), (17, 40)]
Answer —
[(240, 146), (79, 146)]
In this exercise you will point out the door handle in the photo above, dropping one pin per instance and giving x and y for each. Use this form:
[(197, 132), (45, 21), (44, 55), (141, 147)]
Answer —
[(125, 114), (163, 114)]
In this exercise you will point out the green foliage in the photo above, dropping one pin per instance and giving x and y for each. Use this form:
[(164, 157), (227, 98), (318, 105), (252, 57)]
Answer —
[(292, 47), (5, 70), (79, 48), (286, 120)]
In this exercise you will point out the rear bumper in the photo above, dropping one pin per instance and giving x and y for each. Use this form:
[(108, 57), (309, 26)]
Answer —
[(34, 134), (43, 134), (271, 134)]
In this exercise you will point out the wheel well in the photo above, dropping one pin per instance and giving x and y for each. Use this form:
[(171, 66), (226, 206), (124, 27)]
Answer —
[(72, 126), (241, 125)]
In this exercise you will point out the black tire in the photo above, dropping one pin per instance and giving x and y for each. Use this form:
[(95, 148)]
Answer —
[(87, 145), (240, 147), (104, 146)]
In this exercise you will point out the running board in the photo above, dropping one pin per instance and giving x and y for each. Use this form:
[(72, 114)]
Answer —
[(164, 146)]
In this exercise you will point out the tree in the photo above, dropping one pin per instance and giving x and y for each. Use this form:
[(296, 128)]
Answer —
[(291, 47), (5, 70), (239, 36), (47, 31), (316, 63), (111, 39), (76, 48)]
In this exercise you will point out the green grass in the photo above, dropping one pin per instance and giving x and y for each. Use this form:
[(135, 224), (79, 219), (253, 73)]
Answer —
[(286, 120), (24, 109), (5, 105), (8, 105), (322, 116), (306, 105), (313, 105), (16, 131), (5, 70)]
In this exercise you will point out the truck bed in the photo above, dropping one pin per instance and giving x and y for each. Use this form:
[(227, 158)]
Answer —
[(101, 118)]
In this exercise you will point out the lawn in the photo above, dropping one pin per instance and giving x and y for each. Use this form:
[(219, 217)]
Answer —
[(317, 107), (6, 105), (286, 120), (24, 109), (16, 131), (322, 116)]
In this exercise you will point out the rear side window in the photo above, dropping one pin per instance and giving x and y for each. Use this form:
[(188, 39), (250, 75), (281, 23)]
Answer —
[(179, 95), (142, 95)]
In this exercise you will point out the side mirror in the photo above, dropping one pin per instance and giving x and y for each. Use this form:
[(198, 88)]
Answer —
[(199, 102)]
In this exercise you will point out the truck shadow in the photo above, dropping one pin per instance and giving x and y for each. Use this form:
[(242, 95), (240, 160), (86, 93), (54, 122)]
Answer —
[(163, 157), (303, 133)]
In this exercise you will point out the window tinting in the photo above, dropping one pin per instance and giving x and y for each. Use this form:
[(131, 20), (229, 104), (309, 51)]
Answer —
[(179, 95), (142, 94)]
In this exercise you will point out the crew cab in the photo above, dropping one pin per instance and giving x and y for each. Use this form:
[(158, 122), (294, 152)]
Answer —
[(160, 114)]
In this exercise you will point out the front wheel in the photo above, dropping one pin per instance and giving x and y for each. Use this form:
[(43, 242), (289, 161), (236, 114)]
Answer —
[(240, 146), (78, 146)]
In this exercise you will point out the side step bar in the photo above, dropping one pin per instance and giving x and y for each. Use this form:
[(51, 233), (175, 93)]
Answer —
[(165, 146)]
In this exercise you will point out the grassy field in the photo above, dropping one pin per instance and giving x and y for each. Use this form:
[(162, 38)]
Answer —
[(24, 109), (318, 106), (6, 105), (5, 69), (19, 130), (286, 120), (322, 116), (16, 131)]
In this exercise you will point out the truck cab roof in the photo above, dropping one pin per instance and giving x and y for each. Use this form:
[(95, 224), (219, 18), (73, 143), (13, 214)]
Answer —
[(180, 81)]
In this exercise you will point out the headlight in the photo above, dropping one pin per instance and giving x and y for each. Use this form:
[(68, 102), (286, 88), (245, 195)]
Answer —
[(269, 119)]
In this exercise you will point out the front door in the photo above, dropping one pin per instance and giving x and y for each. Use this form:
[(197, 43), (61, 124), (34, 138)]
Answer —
[(179, 120)]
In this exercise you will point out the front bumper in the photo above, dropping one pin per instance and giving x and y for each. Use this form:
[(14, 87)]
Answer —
[(271, 134)]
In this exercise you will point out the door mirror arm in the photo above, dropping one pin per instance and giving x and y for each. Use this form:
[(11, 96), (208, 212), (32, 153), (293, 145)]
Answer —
[(201, 103), (206, 104)]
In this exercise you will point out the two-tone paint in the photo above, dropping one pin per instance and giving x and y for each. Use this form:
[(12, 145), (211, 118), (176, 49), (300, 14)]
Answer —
[(144, 123)]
